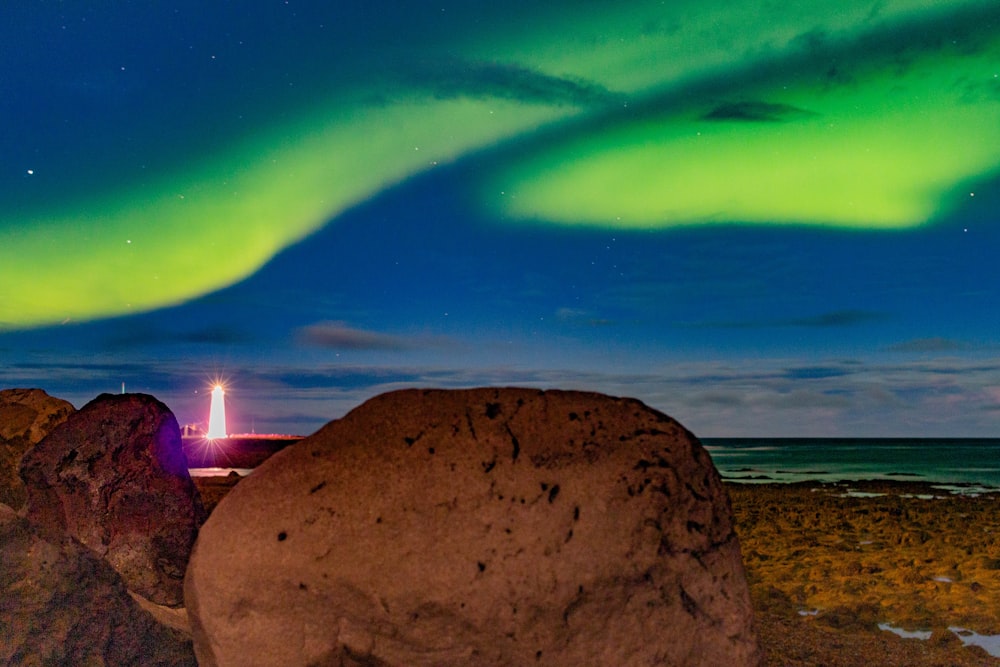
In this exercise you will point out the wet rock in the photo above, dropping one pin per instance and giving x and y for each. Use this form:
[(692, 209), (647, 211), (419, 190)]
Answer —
[(62, 605), (925, 584), (486, 527), (26, 416), (114, 477)]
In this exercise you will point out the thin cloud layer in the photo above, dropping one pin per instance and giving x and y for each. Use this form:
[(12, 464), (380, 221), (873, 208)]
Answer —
[(755, 112), (936, 344), (339, 336), (335, 335), (454, 78)]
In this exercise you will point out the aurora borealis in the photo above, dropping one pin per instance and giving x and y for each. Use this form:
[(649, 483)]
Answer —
[(860, 131), (760, 219)]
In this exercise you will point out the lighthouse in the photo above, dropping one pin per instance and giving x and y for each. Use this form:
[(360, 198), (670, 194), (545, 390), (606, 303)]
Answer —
[(217, 414)]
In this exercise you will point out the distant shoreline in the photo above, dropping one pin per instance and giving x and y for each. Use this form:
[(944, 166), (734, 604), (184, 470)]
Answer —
[(235, 451), (962, 462)]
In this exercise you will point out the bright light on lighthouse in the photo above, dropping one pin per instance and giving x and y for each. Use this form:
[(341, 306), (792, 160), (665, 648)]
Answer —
[(217, 414)]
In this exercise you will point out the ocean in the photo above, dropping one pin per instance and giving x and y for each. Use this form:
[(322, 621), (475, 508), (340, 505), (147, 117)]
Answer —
[(947, 461)]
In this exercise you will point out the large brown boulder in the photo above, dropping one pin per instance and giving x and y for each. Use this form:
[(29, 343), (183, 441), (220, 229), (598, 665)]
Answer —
[(26, 416), (62, 605), (477, 527), (114, 477)]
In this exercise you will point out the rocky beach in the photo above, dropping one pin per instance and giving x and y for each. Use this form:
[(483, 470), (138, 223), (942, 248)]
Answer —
[(826, 573), (828, 563)]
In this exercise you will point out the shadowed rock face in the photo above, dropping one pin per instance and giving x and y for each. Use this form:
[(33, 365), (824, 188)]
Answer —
[(61, 605), (26, 416), (114, 477), (477, 527)]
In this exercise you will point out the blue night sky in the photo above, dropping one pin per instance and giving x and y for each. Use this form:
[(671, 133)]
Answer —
[(761, 220)]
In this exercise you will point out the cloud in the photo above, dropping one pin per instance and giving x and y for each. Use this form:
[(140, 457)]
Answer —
[(69, 373), (79, 382), (798, 399), (753, 397), (339, 336), (815, 372), (936, 344), (966, 28), (346, 377), (755, 112), (455, 78), (837, 318), (138, 334), (718, 399)]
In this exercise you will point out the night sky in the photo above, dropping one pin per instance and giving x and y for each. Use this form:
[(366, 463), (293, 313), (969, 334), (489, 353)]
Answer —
[(761, 219)]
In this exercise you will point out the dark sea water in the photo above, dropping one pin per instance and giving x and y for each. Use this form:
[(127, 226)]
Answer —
[(959, 461)]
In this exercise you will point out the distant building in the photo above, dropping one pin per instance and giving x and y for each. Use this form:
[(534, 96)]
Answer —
[(191, 430)]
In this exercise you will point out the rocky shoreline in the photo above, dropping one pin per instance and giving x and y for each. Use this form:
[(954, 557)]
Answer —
[(110, 514), (247, 451), (827, 563)]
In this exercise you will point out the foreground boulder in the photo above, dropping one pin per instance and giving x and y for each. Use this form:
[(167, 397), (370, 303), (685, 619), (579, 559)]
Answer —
[(114, 477), (477, 527), (26, 416), (61, 605)]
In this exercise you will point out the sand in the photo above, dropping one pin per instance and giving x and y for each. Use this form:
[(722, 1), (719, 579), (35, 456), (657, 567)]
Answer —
[(828, 563)]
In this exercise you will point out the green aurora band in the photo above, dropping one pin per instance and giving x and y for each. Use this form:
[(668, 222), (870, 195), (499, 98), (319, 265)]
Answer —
[(692, 113), (865, 133), (215, 224)]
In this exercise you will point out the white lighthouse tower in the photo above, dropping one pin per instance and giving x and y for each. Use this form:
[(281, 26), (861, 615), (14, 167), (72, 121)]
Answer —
[(217, 414)]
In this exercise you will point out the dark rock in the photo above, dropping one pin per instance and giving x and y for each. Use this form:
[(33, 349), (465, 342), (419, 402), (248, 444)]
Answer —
[(26, 416), (214, 489), (114, 477), (62, 605), (485, 527)]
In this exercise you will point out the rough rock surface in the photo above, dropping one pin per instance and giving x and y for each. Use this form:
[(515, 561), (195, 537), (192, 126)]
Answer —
[(477, 527), (857, 554), (26, 416), (61, 605), (114, 477)]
